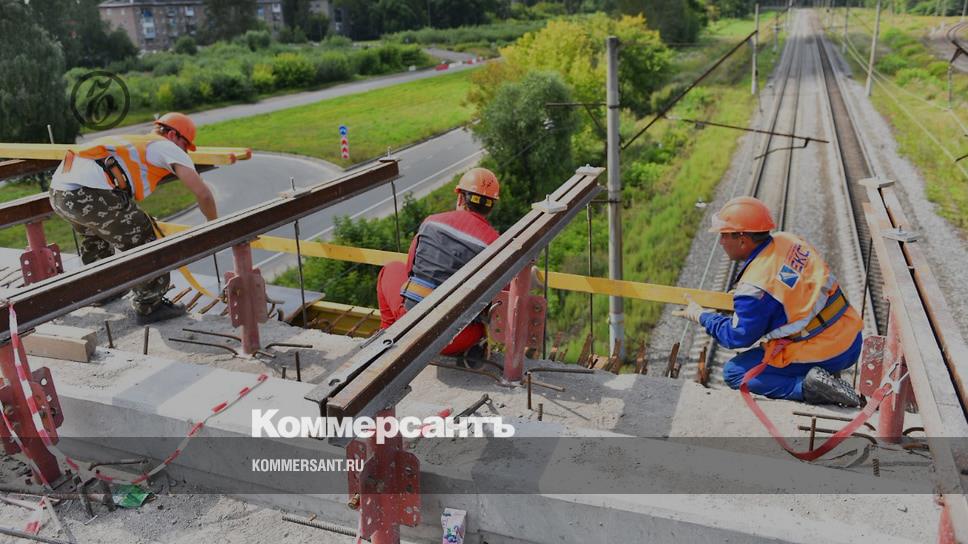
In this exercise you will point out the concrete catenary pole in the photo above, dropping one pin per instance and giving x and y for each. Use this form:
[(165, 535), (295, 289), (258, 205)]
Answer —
[(870, 63), (754, 84), (616, 313), (843, 44), (776, 31), (964, 6)]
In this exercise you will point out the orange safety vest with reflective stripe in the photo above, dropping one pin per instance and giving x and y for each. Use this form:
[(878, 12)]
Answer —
[(131, 154), (820, 322)]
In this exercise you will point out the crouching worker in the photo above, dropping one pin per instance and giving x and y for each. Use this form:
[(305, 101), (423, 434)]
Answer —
[(444, 243), (97, 187), (787, 298)]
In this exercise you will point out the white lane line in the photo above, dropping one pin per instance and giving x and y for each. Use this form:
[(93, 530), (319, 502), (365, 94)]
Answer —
[(356, 215)]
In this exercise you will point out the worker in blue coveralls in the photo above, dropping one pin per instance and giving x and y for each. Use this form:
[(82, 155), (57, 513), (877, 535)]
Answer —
[(787, 298)]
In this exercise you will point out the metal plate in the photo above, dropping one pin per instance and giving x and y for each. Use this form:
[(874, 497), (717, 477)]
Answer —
[(871, 364)]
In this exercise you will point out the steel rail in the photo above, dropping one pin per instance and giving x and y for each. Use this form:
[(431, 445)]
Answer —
[(33, 208), (61, 294), (377, 375)]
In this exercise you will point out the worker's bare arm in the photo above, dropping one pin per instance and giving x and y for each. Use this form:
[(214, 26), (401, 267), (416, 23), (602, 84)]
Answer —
[(194, 182)]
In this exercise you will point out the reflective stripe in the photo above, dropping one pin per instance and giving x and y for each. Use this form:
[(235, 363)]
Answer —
[(413, 289), (145, 188), (791, 329)]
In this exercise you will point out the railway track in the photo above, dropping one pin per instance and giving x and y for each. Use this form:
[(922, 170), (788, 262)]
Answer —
[(771, 181)]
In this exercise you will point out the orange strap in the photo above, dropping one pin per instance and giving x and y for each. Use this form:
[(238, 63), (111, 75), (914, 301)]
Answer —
[(882, 392)]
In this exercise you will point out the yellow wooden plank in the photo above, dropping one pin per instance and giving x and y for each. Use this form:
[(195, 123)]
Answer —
[(203, 155), (558, 280)]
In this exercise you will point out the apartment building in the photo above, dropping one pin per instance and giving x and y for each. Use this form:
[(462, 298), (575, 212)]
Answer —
[(155, 25)]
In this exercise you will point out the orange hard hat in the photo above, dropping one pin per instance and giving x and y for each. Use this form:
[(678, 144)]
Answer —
[(743, 214), (480, 181), (180, 123)]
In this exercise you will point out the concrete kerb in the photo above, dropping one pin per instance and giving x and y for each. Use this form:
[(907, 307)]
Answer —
[(135, 396)]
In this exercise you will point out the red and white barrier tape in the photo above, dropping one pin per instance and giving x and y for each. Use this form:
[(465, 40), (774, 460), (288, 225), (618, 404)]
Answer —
[(72, 463)]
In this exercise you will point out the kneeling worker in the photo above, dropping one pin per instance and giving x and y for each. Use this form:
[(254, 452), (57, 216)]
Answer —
[(444, 243), (97, 186), (787, 297)]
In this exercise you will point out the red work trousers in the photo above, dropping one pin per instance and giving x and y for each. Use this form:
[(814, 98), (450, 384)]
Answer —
[(388, 284)]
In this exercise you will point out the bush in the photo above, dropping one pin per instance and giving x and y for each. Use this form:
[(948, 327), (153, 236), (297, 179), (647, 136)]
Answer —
[(186, 46), (367, 62), (257, 39), (908, 74), (262, 78), (413, 55), (333, 66), (938, 69), (174, 95), (293, 70), (292, 35), (167, 67), (391, 57), (231, 86), (337, 41), (890, 64)]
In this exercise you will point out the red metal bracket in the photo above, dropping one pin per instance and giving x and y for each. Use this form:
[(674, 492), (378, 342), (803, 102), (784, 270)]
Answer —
[(246, 291), (18, 412), (40, 260), (387, 490), (517, 321), (890, 422), (871, 364)]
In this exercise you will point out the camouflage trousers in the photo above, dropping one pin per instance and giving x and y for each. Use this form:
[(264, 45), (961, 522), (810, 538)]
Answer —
[(108, 220)]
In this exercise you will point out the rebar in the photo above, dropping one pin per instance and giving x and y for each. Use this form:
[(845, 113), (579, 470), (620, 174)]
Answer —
[(145, 350), (220, 334), (876, 465), (473, 407), (298, 366), (540, 411), (565, 370), (196, 342), (191, 304), (529, 390), (30, 536), (830, 417), (813, 432), (324, 525), (288, 345), (107, 329), (181, 294)]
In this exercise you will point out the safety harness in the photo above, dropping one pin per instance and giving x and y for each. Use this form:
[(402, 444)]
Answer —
[(836, 307)]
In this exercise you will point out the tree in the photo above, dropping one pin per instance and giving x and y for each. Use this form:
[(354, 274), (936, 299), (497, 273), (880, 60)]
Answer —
[(186, 45), (86, 40), (529, 143), (32, 89), (226, 19), (678, 21), (576, 50)]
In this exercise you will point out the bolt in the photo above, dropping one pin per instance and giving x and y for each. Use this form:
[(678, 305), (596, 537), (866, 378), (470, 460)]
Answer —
[(354, 502), (540, 410), (876, 464)]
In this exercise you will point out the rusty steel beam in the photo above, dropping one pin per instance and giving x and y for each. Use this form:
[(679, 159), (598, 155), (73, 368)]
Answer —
[(22, 167), (377, 375), (30, 209), (934, 378), (59, 295)]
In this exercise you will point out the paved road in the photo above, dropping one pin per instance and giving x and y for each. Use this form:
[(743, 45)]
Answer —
[(423, 167), (276, 103)]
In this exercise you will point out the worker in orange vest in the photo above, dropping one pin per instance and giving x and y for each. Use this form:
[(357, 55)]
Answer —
[(444, 243), (787, 299), (96, 189)]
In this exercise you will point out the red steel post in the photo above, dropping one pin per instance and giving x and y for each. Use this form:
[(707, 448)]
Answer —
[(384, 455), (18, 411), (890, 423), (518, 320), (39, 261), (246, 297)]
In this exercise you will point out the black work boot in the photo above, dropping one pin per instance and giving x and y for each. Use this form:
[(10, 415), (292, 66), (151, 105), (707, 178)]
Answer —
[(821, 387), (165, 310), (473, 357)]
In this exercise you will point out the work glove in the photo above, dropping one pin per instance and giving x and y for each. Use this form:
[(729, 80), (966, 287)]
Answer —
[(692, 311)]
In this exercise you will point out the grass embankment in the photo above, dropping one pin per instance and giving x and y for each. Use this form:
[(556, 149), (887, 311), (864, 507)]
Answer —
[(664, 175), (392, 116), (912, 93), (389, 117)]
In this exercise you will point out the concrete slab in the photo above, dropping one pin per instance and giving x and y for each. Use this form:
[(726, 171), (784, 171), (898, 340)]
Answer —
[(557, 489)]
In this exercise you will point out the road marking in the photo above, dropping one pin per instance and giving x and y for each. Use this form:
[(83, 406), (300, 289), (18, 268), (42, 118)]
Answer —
[(356, 215)]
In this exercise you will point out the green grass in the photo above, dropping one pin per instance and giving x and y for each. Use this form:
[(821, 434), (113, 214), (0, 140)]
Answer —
[(914, 101), (389, 117)]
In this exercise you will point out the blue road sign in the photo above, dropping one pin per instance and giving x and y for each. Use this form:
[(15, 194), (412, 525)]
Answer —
[(343, 130)]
